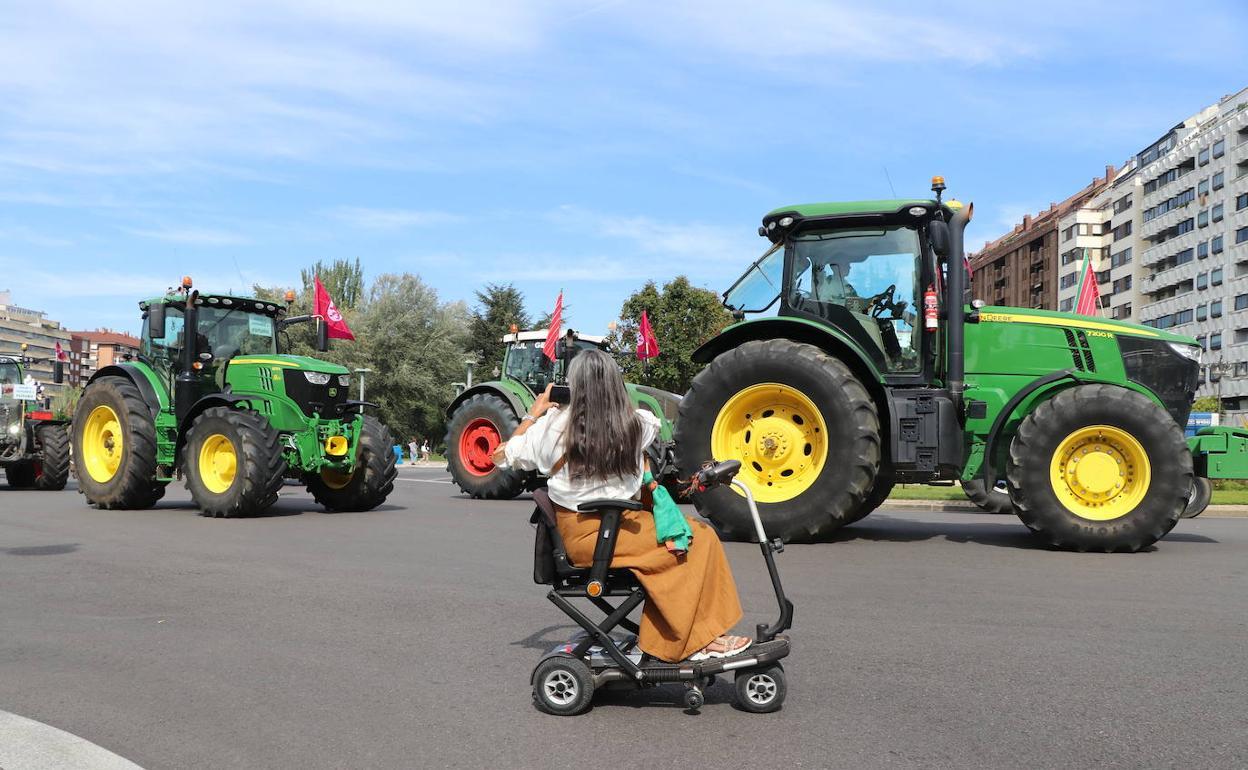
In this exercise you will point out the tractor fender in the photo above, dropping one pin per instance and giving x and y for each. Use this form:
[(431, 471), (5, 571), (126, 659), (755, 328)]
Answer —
[(1050, 384), (198, 408), (140, 380), (493, 389)]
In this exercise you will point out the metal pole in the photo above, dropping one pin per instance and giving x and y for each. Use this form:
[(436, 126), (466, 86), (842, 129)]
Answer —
[(362, 372)]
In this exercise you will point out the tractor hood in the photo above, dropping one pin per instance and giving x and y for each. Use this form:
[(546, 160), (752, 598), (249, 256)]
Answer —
[(306, 363), (993, 314)]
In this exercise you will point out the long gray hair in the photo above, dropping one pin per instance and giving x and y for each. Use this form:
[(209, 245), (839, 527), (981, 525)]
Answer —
[(603, 439)]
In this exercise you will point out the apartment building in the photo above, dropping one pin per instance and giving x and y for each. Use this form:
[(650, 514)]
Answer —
[(1192, 243), (91, 351), (1021, 268), (18, 326), (1103, 227)]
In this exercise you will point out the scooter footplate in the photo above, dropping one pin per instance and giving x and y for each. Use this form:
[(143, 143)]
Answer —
[(758, 654)]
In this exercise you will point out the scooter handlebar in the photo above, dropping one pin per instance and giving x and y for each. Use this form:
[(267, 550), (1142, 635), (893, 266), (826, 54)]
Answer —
[(718, 473)]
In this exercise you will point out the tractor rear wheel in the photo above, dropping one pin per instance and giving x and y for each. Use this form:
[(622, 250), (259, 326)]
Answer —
[(114, 446), (1099, 468), (804, 428), (52, 466), (995, 500), (373, 479), (233, 462), (477, 427)]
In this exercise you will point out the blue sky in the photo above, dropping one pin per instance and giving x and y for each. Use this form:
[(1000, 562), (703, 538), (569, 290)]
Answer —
[(583, 145)]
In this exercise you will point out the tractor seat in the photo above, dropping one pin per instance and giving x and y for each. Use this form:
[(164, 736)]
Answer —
[(551, 565)]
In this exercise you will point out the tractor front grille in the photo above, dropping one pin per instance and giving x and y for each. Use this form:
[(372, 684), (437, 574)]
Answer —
[(1153, 364), (315, 399)]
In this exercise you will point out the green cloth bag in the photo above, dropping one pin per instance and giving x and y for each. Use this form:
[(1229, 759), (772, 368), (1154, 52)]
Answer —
[(670, 525)]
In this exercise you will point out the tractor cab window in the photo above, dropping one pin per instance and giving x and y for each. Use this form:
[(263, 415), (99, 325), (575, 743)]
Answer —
[(862, 280), (165, 350), (527, 363), (9, 375), (758, 289), (228, 332)]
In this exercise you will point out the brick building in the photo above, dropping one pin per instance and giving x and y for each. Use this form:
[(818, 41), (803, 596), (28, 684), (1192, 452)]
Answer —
[(1020, 269), (91, 351)]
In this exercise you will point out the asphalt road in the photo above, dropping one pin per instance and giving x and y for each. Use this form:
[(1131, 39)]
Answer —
[(404, 637)]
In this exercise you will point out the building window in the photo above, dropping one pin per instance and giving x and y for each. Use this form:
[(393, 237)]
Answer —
[(1200, 340), (1241, 302), (1203, 157), (1202, 218), (1202, 249), (1219, 180), (1215, 341), (1122, 284), (1241, 201), (1121, 258), (1202, 281), (1215, 309), (1202, 312), (1241, 235), (1068, 280), (1102, 277), (1215, 277), (1122, 311), (1215, 213), (1215, 245), (1219, 148), (1203, 187), (1183, 317), (1122, 204), (1070, 256), (1066, 304), (1183, 257), (1122, 231), (1068, 233)]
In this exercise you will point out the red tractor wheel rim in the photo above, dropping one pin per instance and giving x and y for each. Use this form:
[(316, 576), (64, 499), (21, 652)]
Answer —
[(478, 441)]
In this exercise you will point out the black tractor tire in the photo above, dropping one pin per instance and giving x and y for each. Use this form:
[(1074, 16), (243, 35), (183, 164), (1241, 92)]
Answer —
[(1202, 494), (258, 464), (563, 686), (52, 467), (374, 476), (1041, 433), (133, 485), (853, 443), (21, 474), (884, 483), (498, 483), (996, 500)]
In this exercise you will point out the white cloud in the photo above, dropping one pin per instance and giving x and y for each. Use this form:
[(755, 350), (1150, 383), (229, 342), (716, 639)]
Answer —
[(194, 236), (391, 219)]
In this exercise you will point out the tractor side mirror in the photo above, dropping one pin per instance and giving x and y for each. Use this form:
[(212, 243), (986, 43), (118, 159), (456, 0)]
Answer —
[(322, 335), (58, 372), (938, 235), (156, 322)]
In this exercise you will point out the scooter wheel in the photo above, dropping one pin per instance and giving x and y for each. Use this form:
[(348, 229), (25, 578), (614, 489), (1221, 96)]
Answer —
[(563, 686), (694, 699), (761, 690)]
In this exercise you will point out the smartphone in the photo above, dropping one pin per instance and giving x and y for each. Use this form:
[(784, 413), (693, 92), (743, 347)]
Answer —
[(560, 394)]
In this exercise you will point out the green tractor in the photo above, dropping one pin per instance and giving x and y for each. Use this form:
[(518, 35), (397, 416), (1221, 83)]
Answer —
[(34, 446), (484, 415), (211, 397), (870, 367)]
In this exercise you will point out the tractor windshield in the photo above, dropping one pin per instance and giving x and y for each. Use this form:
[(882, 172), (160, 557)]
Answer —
[(758, 289), (9, 376), (527, 363), (229, 332), (871, 274)]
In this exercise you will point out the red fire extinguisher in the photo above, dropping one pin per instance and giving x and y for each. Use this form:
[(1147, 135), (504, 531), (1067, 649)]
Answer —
[(929, 308)]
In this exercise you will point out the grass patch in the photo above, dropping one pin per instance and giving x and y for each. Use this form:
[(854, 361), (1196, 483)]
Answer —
[(925, 492)]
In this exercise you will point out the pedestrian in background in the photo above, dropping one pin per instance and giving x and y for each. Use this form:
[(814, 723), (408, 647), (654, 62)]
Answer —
[(424, 450), (413, 449)]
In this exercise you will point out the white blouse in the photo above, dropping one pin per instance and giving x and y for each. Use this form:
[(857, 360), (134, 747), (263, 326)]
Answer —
[(541, 446)]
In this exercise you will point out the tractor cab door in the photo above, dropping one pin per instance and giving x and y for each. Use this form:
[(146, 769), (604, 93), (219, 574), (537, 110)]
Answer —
[(164, 353), (867, 282), (528, 365)]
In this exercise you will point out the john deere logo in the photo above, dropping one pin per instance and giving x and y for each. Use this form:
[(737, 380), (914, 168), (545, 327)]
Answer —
[(333, 392)]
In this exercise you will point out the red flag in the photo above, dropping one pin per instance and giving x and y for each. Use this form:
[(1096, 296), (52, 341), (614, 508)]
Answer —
[(552, 335), (326, 309), (1089, 302), (647, 344), (60, 353)]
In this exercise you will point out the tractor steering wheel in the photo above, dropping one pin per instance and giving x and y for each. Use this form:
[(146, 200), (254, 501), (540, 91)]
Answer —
[(884, 301)]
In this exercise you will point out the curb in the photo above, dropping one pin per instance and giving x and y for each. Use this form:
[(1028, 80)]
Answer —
[(25, 743)]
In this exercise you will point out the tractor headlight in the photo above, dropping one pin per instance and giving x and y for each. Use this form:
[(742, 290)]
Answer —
[(317, 378), (13, 429), (344, 380), (1190, 352)]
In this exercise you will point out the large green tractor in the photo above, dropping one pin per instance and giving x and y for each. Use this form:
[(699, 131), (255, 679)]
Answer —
[(212, 398), (485, 414), (34, 446), (869, 367)]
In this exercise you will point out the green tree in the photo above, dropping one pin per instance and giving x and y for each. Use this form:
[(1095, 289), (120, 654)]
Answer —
[(683, 317), (1206, 404), (343, 279), (498, 307)]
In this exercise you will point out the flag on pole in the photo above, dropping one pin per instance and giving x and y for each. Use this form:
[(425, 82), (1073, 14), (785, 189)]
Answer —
[(552, 334), (1089, 302), (328, 311), (60, 353), (647, 343)]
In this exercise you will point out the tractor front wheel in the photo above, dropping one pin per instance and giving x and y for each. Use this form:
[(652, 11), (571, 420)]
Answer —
[(477, 427), (804, 428), (371, 482), (1099, 468), (51, 468), (233, 461), (1202, 495), (995, 500), (114, 446)]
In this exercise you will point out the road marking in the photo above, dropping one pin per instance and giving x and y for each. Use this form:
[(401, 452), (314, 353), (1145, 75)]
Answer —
[(27, 744)]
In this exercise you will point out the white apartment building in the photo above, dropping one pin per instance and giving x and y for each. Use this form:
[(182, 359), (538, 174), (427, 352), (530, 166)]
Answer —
[(1191, 241), (1104, 227)]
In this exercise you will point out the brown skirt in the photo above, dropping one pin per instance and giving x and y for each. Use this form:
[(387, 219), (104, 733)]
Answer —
[(690, 599)]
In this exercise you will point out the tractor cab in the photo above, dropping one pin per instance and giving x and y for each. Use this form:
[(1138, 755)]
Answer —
[(860, 267), (526, 363), (10, 409)]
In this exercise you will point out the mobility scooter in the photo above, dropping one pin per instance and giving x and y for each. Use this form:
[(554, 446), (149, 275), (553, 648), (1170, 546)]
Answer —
[(565, 679)]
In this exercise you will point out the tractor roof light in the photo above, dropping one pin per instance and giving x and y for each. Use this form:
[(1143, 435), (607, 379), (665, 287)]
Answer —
[(187, 282), (786, 221), (290, 296)]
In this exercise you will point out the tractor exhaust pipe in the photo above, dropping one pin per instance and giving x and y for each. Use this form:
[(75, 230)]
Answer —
[(955, 304)]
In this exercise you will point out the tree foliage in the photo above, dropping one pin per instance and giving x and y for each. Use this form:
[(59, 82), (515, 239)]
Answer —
[(683, 317), (343, 279), (1206, 404), (498, 307)]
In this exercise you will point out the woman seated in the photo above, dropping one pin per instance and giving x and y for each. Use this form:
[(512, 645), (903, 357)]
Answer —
[(594, 449)]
